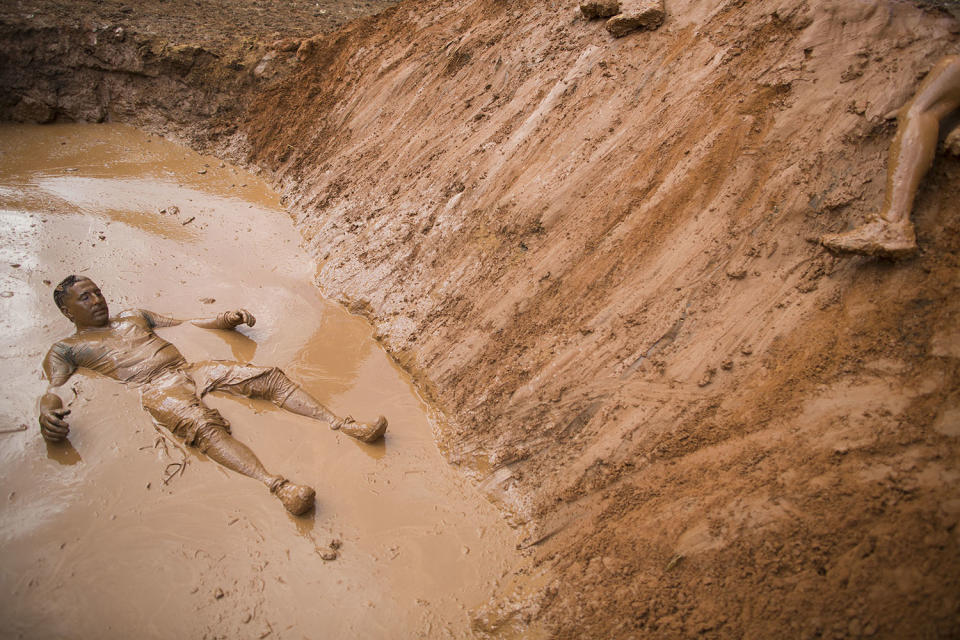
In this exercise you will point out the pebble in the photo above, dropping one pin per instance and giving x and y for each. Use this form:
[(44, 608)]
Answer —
[(218, 593), (599, 8), (6, 294), (737, 274)]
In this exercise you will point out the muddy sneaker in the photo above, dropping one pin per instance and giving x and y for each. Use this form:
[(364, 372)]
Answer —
[(876, 237), (363, 432), (298, 499)]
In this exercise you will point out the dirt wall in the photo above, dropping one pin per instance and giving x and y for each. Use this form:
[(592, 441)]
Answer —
[(598, 256)]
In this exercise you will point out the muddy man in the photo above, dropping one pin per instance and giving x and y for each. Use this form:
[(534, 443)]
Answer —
[(890, 233), (126, 348)]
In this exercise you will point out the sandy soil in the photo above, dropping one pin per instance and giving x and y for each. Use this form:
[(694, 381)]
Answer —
[(598, 257), (121, 514)]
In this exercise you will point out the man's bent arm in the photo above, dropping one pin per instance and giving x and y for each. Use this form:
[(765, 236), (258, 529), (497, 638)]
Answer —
[(58, 370)]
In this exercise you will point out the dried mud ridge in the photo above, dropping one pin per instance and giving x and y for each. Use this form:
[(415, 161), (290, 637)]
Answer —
[(596, 256)]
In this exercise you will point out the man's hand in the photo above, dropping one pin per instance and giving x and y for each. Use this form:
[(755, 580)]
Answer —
[(227, 320), (238, 317), (52, 425)]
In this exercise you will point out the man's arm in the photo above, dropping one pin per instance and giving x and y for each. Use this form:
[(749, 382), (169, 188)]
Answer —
[(225, 320), (58, 369)]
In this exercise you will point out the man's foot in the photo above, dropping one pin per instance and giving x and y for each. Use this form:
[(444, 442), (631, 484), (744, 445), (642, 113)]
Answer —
[(876, 237), (360, 431), (297, 498)]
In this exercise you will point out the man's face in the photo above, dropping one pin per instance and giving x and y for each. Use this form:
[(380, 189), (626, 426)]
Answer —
[(85, 305)]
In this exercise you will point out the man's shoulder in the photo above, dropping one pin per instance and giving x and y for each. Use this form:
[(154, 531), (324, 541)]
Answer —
[(132, 313), (63, 347)]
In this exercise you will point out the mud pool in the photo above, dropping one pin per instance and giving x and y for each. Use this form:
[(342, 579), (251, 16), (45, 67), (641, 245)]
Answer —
[(122, 533)]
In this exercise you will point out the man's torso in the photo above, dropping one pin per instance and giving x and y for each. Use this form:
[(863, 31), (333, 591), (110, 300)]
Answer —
[(126, 349)]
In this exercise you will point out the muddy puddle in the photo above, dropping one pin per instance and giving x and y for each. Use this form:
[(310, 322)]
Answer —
[(121, 533)]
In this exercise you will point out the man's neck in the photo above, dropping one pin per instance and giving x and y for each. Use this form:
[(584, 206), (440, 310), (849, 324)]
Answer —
[(89, 328)]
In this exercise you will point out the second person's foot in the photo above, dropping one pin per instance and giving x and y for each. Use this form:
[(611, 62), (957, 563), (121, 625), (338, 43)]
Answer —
[(876, 237)]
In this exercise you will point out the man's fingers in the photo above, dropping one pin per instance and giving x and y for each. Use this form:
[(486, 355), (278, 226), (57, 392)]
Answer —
[(248, 317), (55, 418), (51, 422), (53, 432), (53, 437)]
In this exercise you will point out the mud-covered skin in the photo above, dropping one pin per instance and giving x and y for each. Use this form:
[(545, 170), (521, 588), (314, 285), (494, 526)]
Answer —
[(126, 349), (890, 234)]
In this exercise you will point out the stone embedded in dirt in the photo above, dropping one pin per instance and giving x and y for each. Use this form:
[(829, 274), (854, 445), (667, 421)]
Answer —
[(207, 300), (170, 210), (737, 274), (599, 8), (327, 556), (218, 593), (707, 377), (636, 14), (335, 543), (951, 143), (265, 68), (32, 111), (287, 45)]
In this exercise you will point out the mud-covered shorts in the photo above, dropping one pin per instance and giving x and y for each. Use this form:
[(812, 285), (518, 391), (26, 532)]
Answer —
[(173, 397)]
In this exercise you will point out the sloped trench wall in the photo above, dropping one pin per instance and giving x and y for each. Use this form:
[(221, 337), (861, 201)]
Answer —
[(598, 257)]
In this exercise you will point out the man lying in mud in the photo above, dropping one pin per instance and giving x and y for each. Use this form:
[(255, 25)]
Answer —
[(126, 349), (890, 233)]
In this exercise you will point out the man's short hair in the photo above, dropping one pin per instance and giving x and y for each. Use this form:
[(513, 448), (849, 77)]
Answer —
[(60, 291)]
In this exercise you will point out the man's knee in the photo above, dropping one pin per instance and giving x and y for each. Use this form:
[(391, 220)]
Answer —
[(274, 386), (210, 435)]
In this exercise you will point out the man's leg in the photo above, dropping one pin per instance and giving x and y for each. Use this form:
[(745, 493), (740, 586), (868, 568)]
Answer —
[(172, 402), (891, 233), (223, 448), (274, 385), (302, 403)]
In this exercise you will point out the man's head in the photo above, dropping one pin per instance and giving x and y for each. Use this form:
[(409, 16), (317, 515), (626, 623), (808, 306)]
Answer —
[(79, 299)]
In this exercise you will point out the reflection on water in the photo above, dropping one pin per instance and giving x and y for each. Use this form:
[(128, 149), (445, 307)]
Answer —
[(418, 549), (63, 452), (242, 347)]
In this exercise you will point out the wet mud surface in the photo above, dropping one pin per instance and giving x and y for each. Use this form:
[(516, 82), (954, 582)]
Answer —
[(600, 258), (121, 532)]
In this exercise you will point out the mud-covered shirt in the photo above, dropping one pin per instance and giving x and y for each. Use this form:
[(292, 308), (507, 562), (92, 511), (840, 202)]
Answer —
[(126, 349)]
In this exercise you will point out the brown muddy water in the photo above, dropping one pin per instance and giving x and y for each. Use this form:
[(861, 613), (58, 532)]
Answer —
[(122, 533)]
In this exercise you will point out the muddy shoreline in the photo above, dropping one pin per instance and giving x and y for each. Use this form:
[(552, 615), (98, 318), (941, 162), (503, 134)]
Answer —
[(189, 548), (594, 254)]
